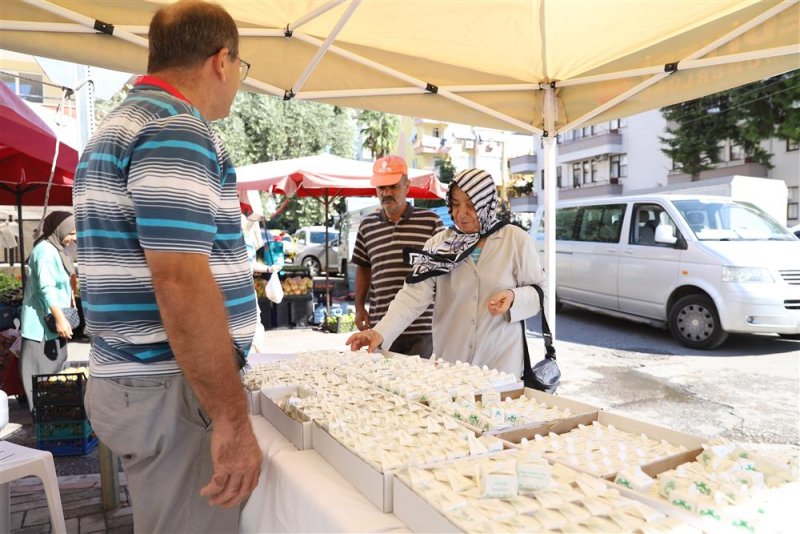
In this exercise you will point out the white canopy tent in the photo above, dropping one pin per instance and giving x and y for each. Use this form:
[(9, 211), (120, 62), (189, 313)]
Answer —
[(535, 66)]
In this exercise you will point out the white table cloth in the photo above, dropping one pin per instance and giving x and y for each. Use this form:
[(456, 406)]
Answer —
[(299, 492)]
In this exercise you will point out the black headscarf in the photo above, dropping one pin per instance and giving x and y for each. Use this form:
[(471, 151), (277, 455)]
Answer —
[(57, 225), (444, 256)]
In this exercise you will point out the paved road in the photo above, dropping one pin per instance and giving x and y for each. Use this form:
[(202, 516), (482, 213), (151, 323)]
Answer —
[(747, 390)]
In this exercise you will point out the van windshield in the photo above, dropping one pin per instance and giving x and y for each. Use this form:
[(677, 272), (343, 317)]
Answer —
[(730, 221), (318, 238)]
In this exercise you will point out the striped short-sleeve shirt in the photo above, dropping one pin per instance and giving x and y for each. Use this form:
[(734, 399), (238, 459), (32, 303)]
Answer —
[(154, 177), (379, 246)]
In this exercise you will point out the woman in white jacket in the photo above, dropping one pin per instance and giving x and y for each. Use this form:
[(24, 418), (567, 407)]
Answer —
[(479, 277)]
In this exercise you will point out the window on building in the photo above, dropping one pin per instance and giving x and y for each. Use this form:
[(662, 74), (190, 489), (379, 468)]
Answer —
[(586, 172), (435, 132), (623, 166), (587, 131), (614, 167), (792, 145), (542, 179), (28, 86), (577, 133), (616, 124), (558, 176), (594, 170), (792, 207), (736, 152), (576, 175)]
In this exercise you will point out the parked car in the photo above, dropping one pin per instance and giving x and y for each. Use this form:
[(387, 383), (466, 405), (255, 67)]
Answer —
[(311, 250), (795, 230), (702, 265)]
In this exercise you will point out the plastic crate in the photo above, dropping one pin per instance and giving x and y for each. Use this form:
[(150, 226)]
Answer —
[(58, 389), (68, 447), (63, 430), (59, 413)]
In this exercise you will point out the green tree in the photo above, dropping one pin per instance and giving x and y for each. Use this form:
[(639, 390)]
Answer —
[(379, 130), (744, 115), (446, 171), (700, 126), (263, 128)]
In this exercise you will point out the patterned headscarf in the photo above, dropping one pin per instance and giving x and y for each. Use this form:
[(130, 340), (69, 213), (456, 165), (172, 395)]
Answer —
[(444, 256)]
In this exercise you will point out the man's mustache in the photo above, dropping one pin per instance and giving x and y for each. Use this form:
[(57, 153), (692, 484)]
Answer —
[(384, 199)]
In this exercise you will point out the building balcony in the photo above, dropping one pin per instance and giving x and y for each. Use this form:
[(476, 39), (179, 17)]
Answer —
[(523, 164), (598, 189), (722, 170), (590, 147), (429, 144)]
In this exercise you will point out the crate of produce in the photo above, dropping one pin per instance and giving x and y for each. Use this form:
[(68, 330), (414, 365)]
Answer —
[(59, 413), (63, 430), (340, 324), (59, 389), (68, 447)]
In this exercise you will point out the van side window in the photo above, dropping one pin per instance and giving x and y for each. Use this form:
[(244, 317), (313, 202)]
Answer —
[(601, 224), (646, 217), (565, 223)]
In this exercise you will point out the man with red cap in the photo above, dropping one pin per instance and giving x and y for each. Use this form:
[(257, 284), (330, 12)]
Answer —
[(378, 254)]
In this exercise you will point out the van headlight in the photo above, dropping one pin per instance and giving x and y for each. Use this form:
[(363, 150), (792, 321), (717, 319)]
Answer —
[(746, 274)]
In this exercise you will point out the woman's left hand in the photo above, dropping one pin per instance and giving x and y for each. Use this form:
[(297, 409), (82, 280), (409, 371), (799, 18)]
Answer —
[(501, 302)]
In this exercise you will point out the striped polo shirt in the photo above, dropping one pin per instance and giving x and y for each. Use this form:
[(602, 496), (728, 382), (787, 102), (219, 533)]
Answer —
[(379, 246), (154, 177)]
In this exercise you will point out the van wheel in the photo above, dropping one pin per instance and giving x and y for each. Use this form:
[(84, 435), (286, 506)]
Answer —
[(694, 321)]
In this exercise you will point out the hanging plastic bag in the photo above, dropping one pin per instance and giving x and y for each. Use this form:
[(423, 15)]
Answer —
[(274, 290)]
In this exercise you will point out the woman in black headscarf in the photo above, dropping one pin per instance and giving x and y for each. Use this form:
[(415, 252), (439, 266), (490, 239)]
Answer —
[(479, 277), (48, 290)]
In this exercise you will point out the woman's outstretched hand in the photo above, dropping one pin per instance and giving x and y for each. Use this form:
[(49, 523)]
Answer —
[(366, 338), (501, 302)]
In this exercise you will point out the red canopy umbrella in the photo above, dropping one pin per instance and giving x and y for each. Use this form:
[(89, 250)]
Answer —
[(27, 149), (327, 177)]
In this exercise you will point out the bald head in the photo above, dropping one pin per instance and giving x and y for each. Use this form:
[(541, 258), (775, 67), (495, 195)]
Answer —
[(183, 35)]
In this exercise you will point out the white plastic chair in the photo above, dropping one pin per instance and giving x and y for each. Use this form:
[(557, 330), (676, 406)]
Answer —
[(16, 462)]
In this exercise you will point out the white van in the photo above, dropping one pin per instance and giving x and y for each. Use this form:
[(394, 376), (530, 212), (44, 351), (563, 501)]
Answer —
[(702, 265)]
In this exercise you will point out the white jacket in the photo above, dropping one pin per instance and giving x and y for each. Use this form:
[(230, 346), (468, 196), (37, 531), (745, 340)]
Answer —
[(463, 328)]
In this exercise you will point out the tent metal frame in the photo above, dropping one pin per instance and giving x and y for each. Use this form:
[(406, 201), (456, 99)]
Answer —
[(549, 87)]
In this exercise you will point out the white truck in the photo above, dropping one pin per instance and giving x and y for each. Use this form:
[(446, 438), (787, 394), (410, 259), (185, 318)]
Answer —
[(771, 195)]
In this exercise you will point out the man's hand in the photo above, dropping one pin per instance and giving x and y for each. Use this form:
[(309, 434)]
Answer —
[(362, 318), (236, 459), (501, 302), (367, 338)]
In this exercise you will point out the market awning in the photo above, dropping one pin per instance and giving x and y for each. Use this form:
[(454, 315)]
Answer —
[(330, 175)]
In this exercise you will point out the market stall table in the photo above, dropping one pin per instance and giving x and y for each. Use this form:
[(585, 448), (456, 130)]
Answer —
[(299, 492)]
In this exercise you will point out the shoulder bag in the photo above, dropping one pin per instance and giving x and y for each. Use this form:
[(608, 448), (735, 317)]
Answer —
[(545, 375), (70, 314)]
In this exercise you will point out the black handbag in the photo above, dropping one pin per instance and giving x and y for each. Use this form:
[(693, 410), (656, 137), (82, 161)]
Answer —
[(545, 375), (70, 314)]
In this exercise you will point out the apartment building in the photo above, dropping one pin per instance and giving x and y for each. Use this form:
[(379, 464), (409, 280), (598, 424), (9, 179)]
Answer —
[(624, 155)]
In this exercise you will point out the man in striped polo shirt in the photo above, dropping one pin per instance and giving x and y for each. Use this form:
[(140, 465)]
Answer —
[(378, 254), (166, 284)]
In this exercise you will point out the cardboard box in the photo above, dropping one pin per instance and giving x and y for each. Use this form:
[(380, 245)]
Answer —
[(373, 484), (298, 432), (620, 422), (416, 512)]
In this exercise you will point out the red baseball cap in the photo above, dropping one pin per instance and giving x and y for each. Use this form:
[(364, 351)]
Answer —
[(388, 170)]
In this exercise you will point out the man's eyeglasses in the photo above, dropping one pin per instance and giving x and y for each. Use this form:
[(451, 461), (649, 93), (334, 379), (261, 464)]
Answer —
[(244, 69)]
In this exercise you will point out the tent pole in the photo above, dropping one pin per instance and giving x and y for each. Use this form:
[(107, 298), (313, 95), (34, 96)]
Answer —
[(550, 187), (19, 194), (327, 250)]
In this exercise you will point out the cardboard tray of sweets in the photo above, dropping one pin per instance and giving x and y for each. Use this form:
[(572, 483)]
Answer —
[(421, 516), (374, 484), (298, 432), (692, 443), (578, 409)]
